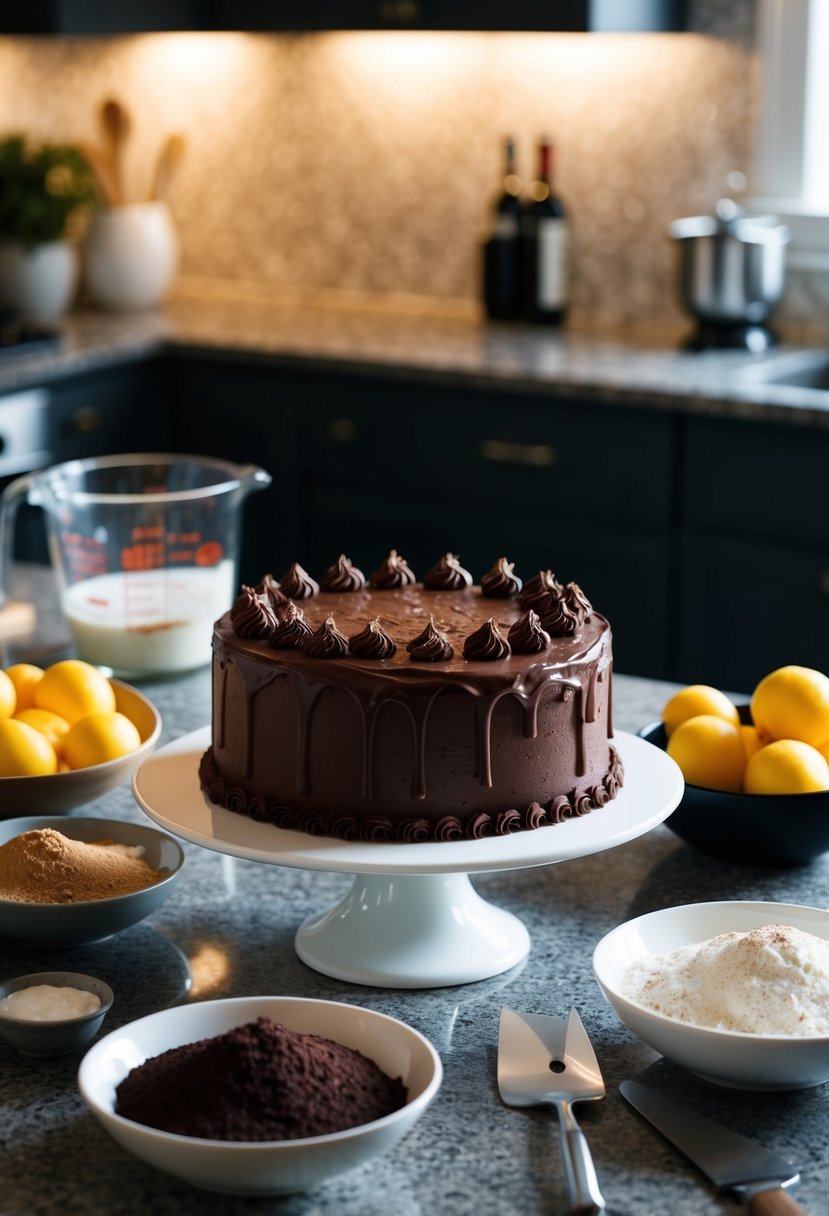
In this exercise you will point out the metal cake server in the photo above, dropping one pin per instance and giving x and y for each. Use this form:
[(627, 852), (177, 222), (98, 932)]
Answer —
[(550, 1061)]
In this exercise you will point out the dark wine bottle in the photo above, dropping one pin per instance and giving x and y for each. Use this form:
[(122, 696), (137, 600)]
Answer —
[(545, 240), (502, 265)]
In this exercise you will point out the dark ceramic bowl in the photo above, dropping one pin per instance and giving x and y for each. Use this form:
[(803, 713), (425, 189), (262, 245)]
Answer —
[(77, 924), (55, 1038), (750, 829)]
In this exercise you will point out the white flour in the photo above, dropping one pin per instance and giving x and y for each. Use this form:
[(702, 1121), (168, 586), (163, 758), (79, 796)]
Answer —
[(773, 980)]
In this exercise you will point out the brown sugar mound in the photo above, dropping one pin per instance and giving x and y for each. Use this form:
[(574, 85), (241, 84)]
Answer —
[(45, 867), (258, 1082)]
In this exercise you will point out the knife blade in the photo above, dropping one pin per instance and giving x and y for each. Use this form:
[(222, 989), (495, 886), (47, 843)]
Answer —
[(731, 1161)]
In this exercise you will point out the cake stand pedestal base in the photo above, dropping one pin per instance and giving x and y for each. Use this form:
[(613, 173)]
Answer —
[(412, 931)]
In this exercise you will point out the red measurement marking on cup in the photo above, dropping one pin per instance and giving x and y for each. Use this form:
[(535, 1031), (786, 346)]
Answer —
[(209, 554), (142, 557)]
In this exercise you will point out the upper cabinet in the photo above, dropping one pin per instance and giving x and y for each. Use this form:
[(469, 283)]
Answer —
[(562, 16), (97, 17)]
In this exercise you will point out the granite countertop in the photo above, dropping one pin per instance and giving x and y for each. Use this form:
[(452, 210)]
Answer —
[(455, 346), (228, 929)]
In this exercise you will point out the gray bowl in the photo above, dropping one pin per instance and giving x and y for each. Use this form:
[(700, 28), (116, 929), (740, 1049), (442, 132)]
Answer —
[(77, 924), (58, 1037)]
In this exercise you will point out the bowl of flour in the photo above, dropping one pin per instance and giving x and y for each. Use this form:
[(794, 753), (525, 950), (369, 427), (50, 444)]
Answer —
[(735, 991)]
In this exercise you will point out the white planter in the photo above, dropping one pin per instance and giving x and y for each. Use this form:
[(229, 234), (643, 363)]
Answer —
[(39, 283), (131, 255)]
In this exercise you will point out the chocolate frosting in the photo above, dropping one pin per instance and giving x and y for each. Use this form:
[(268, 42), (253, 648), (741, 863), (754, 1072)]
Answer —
[(500, 583), (372, 642), (430, 646), (394, 572), (447, 575), (326, 643), (537, 588), (526, 635), (577, 602), (269, 590), (297, 584), (291, 629), (250, 616), (557, 617), (342, 576), (486, 644)]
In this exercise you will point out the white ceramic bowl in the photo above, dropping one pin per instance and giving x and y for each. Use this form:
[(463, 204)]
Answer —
[(726, 1057), (270, 1167), (93, 920), (59, 793)]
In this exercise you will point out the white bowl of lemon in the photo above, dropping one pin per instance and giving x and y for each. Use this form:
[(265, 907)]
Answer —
[(756, 774), (68, 735)]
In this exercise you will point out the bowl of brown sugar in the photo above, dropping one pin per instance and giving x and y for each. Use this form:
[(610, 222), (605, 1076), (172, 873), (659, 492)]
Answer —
[(68, 882)]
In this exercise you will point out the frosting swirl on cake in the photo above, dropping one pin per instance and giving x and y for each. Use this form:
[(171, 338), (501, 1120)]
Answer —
[(537, 588), (250, 616), (297, 584), (269, 589), (394, 572), (327, 642), (372, 642), (447, 575), (526, 635), (291, 629), (487, 644), (430, 646), (342, 576), (500, 582)]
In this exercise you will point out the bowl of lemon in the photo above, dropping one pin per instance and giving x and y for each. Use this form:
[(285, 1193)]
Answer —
[(756, 773), (68, 734)]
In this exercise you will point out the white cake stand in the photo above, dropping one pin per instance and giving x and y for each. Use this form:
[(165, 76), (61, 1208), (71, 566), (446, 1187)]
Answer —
[(412, 918)]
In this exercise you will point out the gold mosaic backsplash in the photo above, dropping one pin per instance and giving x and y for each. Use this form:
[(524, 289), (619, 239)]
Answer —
[(366, 162)]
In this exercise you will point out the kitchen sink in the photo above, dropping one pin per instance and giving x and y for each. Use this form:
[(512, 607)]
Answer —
[(808, 369)]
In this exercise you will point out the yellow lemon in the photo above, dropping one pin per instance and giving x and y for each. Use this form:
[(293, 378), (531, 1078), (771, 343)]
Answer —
[(824, 750), (24, 751), (8, 696), (51, 725), (793, 703), (98, 738), (72, 689), (751, 740), (787, 766), (695, 700), (710, 752), (24, 676)]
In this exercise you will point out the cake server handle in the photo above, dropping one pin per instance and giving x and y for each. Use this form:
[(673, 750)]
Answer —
[(580, 1174)]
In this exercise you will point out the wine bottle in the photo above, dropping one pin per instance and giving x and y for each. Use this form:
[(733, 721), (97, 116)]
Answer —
[(502, 266), (545, 241)]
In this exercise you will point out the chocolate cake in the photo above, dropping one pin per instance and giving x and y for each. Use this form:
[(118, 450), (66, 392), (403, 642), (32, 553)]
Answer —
[(387, 709)]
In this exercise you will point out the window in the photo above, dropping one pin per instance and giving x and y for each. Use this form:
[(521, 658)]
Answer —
[(792, 172)]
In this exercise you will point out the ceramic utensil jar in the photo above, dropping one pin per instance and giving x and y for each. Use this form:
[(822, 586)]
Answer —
[(131, 255)]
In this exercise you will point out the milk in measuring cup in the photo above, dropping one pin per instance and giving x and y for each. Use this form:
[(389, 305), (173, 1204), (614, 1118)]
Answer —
[(149, 621)]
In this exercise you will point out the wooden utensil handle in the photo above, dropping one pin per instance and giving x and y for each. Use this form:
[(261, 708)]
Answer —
[(775, 1202)]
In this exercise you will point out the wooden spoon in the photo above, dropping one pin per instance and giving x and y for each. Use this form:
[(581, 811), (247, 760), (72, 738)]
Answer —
[(170, 156), (99, 164), (115, 127)]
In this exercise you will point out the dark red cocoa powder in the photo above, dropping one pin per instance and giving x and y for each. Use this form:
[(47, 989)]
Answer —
[(258, 1082)]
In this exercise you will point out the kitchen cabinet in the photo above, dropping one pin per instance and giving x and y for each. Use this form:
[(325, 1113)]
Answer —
[(246, 413), (423, 469), (90, 17), (568, 16), (753, 587)]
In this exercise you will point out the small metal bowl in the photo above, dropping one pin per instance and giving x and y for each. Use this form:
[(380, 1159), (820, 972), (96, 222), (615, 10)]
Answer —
[(54, 1038)]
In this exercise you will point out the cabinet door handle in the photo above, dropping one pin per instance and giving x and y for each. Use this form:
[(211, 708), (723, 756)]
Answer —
[(84, 421), (534, 455), (341, 430)]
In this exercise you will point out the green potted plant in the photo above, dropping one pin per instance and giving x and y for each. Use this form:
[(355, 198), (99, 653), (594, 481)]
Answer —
[(42, 189)]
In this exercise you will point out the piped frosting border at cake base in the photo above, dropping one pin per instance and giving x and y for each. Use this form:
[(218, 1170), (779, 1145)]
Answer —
[(345, 825)]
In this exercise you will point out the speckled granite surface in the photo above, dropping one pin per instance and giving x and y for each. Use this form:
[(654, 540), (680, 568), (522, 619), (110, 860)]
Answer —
[(449, 345), (468, 1154)]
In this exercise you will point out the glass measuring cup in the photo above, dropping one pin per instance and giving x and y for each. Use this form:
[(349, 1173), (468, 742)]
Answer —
[(144, 548)]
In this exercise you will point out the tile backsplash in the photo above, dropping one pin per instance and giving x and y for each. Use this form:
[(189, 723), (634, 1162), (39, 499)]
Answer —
[(366, 162)]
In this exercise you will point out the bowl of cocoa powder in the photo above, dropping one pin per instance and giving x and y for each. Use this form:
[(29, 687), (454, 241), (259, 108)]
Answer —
[(67, 881), (262, 1095)]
